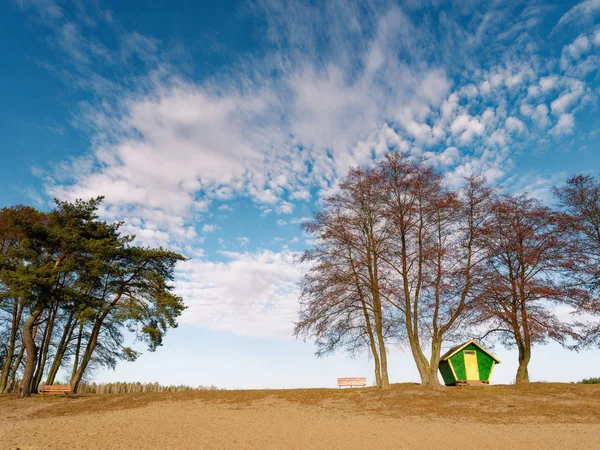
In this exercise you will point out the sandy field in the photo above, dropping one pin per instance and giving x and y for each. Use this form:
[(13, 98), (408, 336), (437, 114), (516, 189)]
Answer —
[(539, 416)]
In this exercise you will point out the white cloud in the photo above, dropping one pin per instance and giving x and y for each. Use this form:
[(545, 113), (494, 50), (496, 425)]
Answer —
[(522, 75), (338, 91), (300, 195), (273, 130), (569, 98), (146, 48), (300, 220), (175, 146), (294, 221), (224, 192), (549, 83), (515, 125), (284, 208), (448, 108), (148, 236), (581, 12), (254, 294), (48, 10), (540, 116), (574, 51), (202, 205), (243, 241), (448, 157), (536, 185), (209, 228), (467, 128), (580, 46), (565, 125), (230, 145)]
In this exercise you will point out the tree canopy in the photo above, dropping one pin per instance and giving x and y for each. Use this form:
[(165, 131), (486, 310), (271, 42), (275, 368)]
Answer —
[(400, 256), (71, 287)]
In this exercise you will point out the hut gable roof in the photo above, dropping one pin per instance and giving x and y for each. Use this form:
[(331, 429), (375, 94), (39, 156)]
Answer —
[(457, 348)]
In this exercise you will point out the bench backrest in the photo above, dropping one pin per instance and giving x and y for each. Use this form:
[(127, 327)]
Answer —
[(352, 381), (57, 387)]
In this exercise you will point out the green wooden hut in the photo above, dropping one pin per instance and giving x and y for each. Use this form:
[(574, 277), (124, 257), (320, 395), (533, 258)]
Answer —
[(467, 364)]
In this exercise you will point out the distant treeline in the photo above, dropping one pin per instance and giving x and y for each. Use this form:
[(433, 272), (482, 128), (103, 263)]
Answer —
[(403, 254), (590, 381), (127, 388), (70, 286)]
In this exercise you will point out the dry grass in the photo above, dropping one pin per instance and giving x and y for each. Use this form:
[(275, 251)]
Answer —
[(548, 416), (537, 402)]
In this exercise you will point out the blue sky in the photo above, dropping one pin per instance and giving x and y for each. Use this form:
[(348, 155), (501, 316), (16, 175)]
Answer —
[(214, 128)]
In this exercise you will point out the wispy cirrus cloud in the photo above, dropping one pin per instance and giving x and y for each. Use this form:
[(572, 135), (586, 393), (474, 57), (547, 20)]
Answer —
[(582, 12), (338, 84)]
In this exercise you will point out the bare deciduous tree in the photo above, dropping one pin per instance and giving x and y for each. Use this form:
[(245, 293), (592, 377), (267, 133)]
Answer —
[(580, 197), (342, 304), (435, 252), (529, 287), (397, 244)]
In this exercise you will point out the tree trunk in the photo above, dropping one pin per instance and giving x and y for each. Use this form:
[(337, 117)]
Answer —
[(373, 345), (61, 349), (432, 377), (411, 308), (85, 360), (377, 369), (13, 374), (420, 359), (77, 351), (16, 320), (31, 351), (522, 371), (524, 341), (40, 355), (434, 362), (378, 313), (87, 356), (385, 381), (43, 357)]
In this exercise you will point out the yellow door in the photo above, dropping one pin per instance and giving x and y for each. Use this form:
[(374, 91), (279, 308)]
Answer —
[(471, 366)]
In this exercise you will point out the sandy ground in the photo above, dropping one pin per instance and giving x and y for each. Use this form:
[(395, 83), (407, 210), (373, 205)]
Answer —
[(407, 417)]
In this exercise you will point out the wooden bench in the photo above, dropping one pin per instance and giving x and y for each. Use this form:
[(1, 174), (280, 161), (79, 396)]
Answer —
[(56, 389), (352, 382)]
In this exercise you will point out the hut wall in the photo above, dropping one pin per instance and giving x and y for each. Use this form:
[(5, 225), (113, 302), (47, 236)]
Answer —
[(447, 374), (485, 363), (458, 364)]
